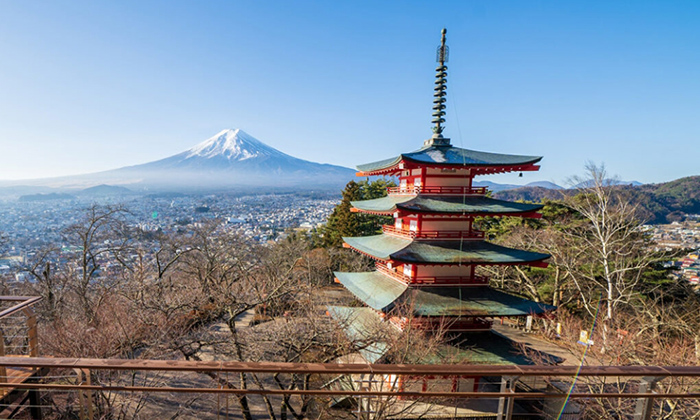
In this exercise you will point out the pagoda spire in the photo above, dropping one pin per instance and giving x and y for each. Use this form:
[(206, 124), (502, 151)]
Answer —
[(440, 94)]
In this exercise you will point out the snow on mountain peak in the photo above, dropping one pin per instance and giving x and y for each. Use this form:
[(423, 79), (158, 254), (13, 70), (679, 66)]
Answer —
[(233, 145)]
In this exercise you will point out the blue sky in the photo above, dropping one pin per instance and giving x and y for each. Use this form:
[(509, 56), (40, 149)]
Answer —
[(95, 85)]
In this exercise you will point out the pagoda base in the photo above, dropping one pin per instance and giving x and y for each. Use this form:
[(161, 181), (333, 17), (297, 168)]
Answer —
[(366, 327)]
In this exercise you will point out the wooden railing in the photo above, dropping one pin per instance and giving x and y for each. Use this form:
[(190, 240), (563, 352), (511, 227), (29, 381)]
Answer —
[(160, 385), (437, 190), (218, 394), (433, 234), (18, 340), (18, 328)]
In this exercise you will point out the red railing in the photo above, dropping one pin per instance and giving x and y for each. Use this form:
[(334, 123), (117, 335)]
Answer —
[(432, 280), (437, 190), (433, 234), (653, 387), (392, 273), (450, 280)]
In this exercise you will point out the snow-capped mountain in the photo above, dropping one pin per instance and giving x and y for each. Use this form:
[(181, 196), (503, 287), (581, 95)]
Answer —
[(235, 158), (234, 151), (229, 159), (233, 145)]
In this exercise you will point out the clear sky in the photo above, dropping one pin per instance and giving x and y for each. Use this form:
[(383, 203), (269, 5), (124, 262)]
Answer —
[(95, 85)]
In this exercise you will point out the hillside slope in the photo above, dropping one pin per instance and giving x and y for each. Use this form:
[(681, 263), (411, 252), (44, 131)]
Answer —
[(658, 203)]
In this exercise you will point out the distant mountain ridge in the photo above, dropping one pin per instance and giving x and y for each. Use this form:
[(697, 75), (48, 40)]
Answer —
[(45, 197), (105, 190), (585, 184), (496, 187), (230, 159), (658, 203)]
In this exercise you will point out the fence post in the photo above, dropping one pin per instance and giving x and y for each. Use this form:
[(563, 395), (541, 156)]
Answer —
[(85, 397), (505, 404), (32, 335), (645, 405), (364, 403), (35, 411), (3, 369)]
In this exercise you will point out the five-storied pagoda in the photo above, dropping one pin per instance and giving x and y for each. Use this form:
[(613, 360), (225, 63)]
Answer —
[(426, 261)]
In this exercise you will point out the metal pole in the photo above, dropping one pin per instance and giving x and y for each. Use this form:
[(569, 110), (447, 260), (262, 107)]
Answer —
[(644, 405)]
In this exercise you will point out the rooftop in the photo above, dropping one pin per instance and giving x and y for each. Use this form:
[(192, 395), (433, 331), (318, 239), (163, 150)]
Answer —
[(384, 293), (444, 204), (450, 156), (387, 247)]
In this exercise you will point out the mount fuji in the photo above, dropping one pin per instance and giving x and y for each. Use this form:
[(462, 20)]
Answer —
[(234, 157), (231, 159)]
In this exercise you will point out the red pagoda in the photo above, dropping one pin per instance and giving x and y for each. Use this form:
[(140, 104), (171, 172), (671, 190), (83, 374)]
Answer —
[(427, 260)]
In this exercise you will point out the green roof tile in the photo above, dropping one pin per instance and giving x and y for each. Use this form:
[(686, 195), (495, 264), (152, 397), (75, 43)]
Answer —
[(487, 348), (451, 156), (441, 204), (373, 288), (385, 247), (379, 246), (471, 301), (383, 293), (362, 326)]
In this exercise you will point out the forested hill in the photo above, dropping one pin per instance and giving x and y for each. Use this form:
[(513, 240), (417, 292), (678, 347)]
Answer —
[(659, 203)]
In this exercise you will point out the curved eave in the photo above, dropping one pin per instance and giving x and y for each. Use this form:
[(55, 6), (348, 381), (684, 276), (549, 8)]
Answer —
[(458, 157), (390, 248), (374, 289), (382, 167), (379, 247), (527, 215), (383, 293), (477, 169), (481, 301), (382, 205), (362, 326), (451, 206), (451, 157)]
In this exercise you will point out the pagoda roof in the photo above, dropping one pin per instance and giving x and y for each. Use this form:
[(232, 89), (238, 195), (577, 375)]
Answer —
[(438, 155), (362, 326), (482, 347), (488, 347), (383, 293), (388, 247), (444, 204)]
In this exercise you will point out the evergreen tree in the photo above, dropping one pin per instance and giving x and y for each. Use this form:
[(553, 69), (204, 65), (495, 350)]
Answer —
[(344, 222)]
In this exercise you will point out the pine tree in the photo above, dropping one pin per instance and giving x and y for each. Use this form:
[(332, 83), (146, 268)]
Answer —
[(343, 222)]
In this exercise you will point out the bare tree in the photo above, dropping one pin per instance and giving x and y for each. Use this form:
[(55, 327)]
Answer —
[(102, 233), (611, 253), (657, 329), (48, 283)]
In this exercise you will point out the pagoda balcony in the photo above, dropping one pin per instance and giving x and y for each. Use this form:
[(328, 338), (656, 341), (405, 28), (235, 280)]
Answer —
[(437, 190), (433, 280), (433, 234)]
